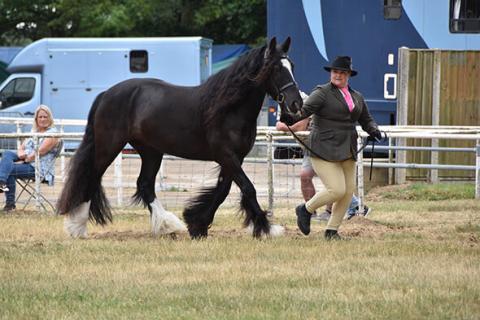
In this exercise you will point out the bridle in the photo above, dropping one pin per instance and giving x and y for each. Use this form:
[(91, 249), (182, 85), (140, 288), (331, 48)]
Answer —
[(280, 96)]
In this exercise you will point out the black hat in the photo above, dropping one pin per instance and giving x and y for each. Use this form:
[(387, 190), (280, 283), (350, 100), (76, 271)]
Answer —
[(342, 63)]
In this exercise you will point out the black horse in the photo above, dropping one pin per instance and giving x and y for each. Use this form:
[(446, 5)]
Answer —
[(214, 121)]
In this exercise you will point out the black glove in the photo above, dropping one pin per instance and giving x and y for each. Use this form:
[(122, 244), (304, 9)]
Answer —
[(376, 135)]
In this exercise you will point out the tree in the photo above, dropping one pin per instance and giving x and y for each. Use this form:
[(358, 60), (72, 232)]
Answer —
[(22, 21), (233, 21)]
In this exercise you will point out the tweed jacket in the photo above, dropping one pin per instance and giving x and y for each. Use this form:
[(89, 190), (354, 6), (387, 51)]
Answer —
[(333, 136)]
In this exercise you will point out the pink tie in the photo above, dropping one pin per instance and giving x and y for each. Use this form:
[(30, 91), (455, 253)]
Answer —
[(348, 98)]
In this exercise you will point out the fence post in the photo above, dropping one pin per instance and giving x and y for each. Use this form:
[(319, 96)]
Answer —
[(162, 185), (270, 170), (402, 109), (435, 111), (477, 172), (118, 179), (37, 172), (390, 160), (360, 177), (19, 130), (62, 156)]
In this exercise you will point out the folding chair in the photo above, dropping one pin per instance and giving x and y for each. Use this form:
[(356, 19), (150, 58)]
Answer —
[(27, 185)]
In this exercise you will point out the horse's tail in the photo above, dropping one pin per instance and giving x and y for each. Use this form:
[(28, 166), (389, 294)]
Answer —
[(82, 184)]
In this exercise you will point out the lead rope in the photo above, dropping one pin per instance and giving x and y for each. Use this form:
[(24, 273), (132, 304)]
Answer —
[(316, 155), (371, 159)]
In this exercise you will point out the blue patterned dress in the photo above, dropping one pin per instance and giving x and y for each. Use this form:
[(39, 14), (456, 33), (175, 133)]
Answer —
[(47, 161)]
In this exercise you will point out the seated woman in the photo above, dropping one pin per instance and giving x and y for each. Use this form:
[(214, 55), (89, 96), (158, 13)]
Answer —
[(21, 164)]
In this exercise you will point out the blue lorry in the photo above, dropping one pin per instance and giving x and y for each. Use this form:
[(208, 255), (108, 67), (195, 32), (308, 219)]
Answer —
[(371, 31), (68, 73)]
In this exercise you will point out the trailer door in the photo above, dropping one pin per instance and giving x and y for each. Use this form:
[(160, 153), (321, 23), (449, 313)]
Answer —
[(77, 76), (66, 81), (107, 67)]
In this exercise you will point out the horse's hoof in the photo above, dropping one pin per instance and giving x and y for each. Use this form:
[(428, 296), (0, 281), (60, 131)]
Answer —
[(163, 221), (275, 231), (198, 233), (74, 229), (198, 236), (75, 223), (167, 224)]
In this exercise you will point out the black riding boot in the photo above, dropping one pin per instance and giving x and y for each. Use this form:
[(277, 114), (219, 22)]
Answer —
[(332, 235), (303, 219)]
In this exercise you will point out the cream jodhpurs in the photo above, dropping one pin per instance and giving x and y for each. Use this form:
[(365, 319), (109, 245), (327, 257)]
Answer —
[(338, 177)]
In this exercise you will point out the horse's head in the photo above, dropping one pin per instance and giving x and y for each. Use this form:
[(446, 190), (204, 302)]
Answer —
[(280, 83)]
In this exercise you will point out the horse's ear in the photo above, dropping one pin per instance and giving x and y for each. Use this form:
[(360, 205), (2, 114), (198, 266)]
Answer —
[(271, 47), (286, 44)]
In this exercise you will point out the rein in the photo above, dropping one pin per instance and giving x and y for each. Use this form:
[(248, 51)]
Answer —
[(316, 155)]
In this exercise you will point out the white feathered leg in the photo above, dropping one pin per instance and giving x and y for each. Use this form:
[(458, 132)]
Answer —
[(163, 221), (75, 222), (276, 230)]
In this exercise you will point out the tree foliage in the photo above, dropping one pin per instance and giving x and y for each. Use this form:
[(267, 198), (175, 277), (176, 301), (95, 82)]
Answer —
[(224, 21)]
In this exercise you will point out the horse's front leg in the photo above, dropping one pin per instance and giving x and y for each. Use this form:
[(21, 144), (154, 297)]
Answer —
[(253, 212)]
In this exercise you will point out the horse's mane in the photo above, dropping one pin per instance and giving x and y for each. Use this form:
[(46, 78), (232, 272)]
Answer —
[(231, 84)]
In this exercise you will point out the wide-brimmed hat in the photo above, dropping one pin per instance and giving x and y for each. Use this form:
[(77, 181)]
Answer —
[(342, 63)]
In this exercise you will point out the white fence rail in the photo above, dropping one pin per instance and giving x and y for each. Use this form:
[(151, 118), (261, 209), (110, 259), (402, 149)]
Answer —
[(273, 173)]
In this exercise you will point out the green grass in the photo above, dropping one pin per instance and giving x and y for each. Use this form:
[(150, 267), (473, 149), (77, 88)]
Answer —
[(432, 192), (408, 260)]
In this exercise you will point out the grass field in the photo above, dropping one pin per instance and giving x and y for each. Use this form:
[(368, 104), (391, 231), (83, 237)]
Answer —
[(417, 256)]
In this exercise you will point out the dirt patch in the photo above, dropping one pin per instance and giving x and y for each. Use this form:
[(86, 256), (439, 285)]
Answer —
[(120, 235), (473, 240), (135, 235), (358, 226)]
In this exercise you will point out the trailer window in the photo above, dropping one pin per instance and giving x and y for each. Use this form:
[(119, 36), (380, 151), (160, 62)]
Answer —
[(138, 61), (17, 91), (392, 9), (464, 16)]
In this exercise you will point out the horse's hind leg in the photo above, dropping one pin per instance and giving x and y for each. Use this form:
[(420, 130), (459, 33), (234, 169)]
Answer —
[(162, 221), (200, 212), (95, 204)]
